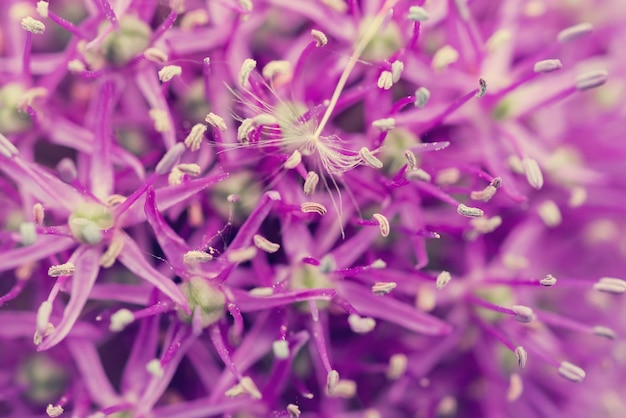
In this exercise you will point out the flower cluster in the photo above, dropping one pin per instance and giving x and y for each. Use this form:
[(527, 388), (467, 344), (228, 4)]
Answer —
[(312, 208)]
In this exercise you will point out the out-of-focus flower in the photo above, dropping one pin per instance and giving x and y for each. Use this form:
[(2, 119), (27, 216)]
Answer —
[(377, 208)]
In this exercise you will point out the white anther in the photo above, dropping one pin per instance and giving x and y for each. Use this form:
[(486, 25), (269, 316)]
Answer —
[(574, 32), (313, 207), (241, 255), (547, 281), (155, 55), (522, 313), (277, 68), (417, 174), (442, 280), (591, 79), (577, 197), (533, 173), (410, 159), (169, 71), (310, 183), (605, 332), (250, 387), (378, 264), (444, 57), (547, 66), (320, 38), (396, 70), (383, 224), (170, 159), (382, 288), (53, 411), (235, 391), (485, 194), (42, 8), (161, 120), (361, 325), (265, 119), (369, 158), (610, 285), (522, 357), (195, 137), (468, 211), (58, 270), (571, 372), (38, 213), (331, 381), (155, 368), (385, 124), (76, 66), (344, 389), (418, 14), (550, 214), (397, 366), (294, 160), (43, 315), (281, 349), (33, 26), (215, 121), (264, 244), (482, 87), (121, 319), (486, 225), (426, 299), (422, 95), (195, 256), (293, 411), (244, 74), (516, 387), (261, 291), (28, 233), (385, 80), (247, 125)]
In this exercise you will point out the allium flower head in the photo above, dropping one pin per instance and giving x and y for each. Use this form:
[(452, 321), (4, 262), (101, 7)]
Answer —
[(312, 208)]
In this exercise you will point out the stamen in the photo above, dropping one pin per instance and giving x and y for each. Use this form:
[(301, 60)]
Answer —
[(115, 248), (155, 368), (378, 264), (468, 211), (369, 158), (261, 291), (523, 314), (247, 125), (7, 148), (313, 207), (195, 256), (482, 87), (331, 382), (610, 285), (522, 357), (383, 288), (294, 160), (396, 70), (385, 80), (605, 332), (160, 119), (591, 80), (549, 280), (442, 280), (42, 8), (170, 159), (547, 66), (244, 74), (418, 14), (550, 214), (444, 57), (417, 174), (485, 194), (52, 410), (241, 255), (33, 26), (169, 71), (76, 66), (516, 387), (293, 411), (155, 55), (215, 121), (486, 225), (397, 366), (195, 137), (533, 173), (320, 38), (361, 325), (310, 183), (43, 316), (422, 95), (59, 270), (386, 124), (383, 223), (28, 233), (410, 159), (574, 32), (281, 349), (264, 244), (280, 68), (571, 372), (578, 197), (250, 387), (344, 389), (121, 319)]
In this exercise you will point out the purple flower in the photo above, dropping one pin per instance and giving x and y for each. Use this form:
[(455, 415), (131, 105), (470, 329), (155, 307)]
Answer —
[(336, 208)]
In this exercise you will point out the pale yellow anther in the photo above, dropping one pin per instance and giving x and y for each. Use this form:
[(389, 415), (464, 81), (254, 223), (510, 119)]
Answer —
[(293, 411), (194, 139), (161, 120), (278, 69), (383, 223), (468, 211), (244, 73), (195, 256), (550, 213), (66, 269), (54, 411), (169, 71), (76, 66), (331, 381), (442, 280), (241, 255), (361, 325), (33, 26), (261, 291), (533, 173), (444, 57), (385, 80), (155, 55), (42, 8), (114, 200), (264, 244), (410, 159), (417, 174), (397, 366), (313, 207), (344, 389), (310, 183), (369, 158), (294, 160), (382, 288), (320, 37), (215, 121), (448, 176)]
